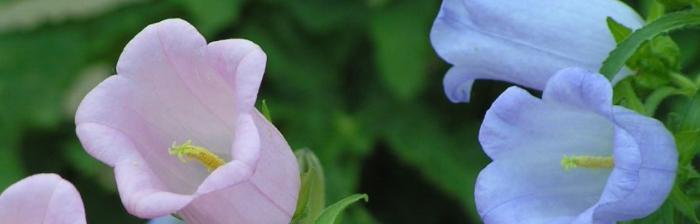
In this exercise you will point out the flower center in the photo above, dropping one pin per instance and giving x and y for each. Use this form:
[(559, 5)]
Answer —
[(187, 151), (591, 162)]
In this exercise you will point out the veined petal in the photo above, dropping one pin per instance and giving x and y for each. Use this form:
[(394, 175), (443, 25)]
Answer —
[(241, 203), (581, 89), (655, 175), (518, 123), (142, 193), (527, 138), (242, 64), (526, 42), (42, 198)]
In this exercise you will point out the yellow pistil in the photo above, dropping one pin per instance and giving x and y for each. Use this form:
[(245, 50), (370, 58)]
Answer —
[(592, 162), (188, 151)]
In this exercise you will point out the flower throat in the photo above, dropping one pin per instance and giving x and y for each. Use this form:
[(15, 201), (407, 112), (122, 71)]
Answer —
[(187, 151), (591, 162)]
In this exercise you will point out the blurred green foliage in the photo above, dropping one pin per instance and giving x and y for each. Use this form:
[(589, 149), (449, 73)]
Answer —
[(356, 81)]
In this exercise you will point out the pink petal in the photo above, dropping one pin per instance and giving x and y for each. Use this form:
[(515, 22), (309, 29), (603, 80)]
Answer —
[(141, 192), (271, 190), (172, 87), (42, 198), (242, 64)]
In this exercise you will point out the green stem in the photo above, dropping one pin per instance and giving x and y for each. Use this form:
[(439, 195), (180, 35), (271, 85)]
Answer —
[(655, 98), (687, 86)]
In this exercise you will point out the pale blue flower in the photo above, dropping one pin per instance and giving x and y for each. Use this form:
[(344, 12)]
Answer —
[(166, 220), (571, 157), (523, 42)]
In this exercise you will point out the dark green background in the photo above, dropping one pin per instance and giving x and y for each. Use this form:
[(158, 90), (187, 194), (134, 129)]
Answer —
[(356, 81)]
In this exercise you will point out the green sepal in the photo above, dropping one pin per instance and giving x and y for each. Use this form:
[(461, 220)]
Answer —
[(266, 110), (331, 214), (312, 196)]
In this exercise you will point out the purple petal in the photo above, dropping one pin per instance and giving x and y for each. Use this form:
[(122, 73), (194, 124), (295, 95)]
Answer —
[(524, 42), (527, 138), (582, 89), (518, 123), (42, 198), (652, 180)]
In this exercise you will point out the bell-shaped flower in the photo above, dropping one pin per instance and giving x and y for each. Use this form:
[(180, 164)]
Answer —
[(571, 157), (179, 126), (522, 42), (41, 199)]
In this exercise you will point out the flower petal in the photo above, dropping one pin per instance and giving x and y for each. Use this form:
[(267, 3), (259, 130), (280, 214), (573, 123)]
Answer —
[(242, 203), (581, 89), (535, 188), (654, 177), (164, 93), (141, 192), (518, 123), (277, 171), (526, 42), (272, 187), (242, 64), (42, 198)]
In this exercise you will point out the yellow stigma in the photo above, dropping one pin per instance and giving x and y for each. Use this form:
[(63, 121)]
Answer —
[(188, 151), (592, 162)]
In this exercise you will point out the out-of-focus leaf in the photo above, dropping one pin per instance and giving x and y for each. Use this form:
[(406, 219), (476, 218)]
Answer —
[(687, 143), (27, 14), (86, 81), (331, 214), (451, 160), (9, 156), (663, 215), (79, 160), (210, 16), (400, 34), (322, 16), (683, 204)]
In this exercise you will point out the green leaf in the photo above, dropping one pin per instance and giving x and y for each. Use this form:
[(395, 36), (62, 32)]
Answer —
[(683, 203), (210, 16), (619, 31), (626, 49), (624, 95), (312, 197), (331, 214), (399, 32)]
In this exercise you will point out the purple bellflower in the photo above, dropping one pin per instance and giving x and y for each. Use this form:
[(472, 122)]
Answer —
[(571, 157), (523, 42)]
